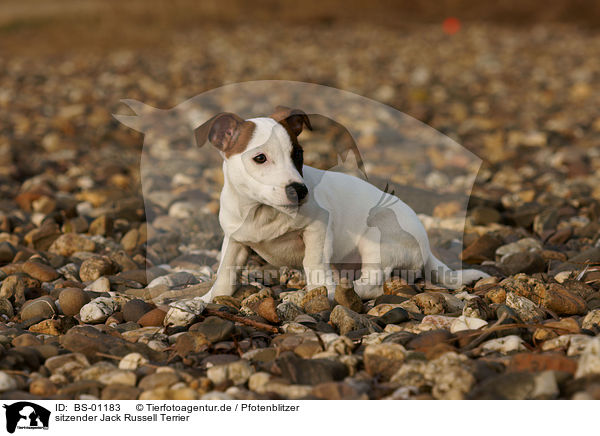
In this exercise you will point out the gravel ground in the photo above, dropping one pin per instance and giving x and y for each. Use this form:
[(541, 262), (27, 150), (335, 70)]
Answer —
[(97, 288)]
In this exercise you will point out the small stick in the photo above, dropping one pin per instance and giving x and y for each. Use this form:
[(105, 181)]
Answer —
[(241, 319), (484, 335), (496, 327)]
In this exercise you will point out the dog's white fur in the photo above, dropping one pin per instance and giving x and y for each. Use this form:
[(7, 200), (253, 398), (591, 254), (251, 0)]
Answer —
[(342, 220)]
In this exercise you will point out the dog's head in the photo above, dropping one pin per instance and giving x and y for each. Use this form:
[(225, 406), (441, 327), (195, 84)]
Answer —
[(263, 157)]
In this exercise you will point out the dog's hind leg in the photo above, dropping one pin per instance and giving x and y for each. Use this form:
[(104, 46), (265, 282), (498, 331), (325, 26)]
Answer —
[(437, 272), (370, 283)]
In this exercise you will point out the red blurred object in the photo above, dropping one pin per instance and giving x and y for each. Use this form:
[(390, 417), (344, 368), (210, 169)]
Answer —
[(451, 25)]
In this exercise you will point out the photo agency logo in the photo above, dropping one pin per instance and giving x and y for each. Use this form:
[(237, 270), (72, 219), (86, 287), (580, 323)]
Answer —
[(24, 415), (300, 185)]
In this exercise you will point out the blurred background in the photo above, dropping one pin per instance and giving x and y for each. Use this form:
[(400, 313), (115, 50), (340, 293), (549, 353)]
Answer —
[(516, 82)]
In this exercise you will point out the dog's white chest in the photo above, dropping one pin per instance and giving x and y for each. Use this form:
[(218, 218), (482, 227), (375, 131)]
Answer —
[(286, 250)]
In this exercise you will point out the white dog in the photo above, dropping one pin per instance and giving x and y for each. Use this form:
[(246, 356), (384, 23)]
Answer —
[(298, 216)]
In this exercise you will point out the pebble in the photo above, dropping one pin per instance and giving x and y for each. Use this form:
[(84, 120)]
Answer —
[(267, 308), (435, 322), (397, 315), (288, 311), (215, 329), (483, 216), (42, 387), (236, 372), (119, 376), (42, 308), (483, 248), (69, 243), (346, 320), (6, 308), (95, 267), (66, 364), (466, 323), (154, 317), (523, 262), (190, 342), (14, 286), (158, 380), (310, 371), (101, 284), (383, 360), (589, 362), (7, 252), (7, 382), (345, 295), (316, 301), (132, 361), (430, 303), (98, 310), (40, 271), (523, 245), (591, 320), (71, 300), (26, 340), (526, 310), (134, 309), (517, 386), (504, 345), (183, 313)]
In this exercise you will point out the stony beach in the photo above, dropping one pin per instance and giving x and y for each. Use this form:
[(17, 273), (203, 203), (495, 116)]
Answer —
[(99, 283)]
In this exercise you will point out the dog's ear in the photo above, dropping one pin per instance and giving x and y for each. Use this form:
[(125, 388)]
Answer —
[(295, 119), (221, 131)]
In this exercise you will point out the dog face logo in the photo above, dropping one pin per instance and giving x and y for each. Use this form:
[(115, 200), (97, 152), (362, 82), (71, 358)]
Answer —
[(26, 415)]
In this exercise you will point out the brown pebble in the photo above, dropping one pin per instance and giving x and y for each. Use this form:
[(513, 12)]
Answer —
[(153, 318), (71, 300), (42, 307), (25, 340), (134, 309), (346, 296), (40, 271), (431, 303), (267, 309)]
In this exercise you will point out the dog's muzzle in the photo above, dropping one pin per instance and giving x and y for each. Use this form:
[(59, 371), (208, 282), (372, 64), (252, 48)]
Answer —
[(296, 192)]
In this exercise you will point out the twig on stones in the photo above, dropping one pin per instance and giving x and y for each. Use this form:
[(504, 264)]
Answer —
[(496, 327), (484, 334), (242, 320)]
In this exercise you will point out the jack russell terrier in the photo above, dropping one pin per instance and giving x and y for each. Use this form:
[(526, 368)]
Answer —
[(297, 216)]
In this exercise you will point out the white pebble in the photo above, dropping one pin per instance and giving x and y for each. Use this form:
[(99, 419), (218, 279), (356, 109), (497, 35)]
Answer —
[(98, 310)]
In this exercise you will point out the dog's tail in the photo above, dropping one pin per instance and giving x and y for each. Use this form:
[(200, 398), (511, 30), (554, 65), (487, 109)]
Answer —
[(438, 272)]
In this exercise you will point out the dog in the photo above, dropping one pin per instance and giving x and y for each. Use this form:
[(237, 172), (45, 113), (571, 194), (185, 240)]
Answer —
[(298, 216)]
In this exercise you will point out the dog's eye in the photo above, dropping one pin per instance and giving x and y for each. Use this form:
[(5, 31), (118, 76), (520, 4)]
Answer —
[(260, 158)]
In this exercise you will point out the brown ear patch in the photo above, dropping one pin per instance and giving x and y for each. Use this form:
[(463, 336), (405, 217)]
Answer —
[(294, 119), (227, 132)]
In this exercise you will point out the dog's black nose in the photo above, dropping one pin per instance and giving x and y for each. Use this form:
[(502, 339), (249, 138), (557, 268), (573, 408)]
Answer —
[(296, 192)]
